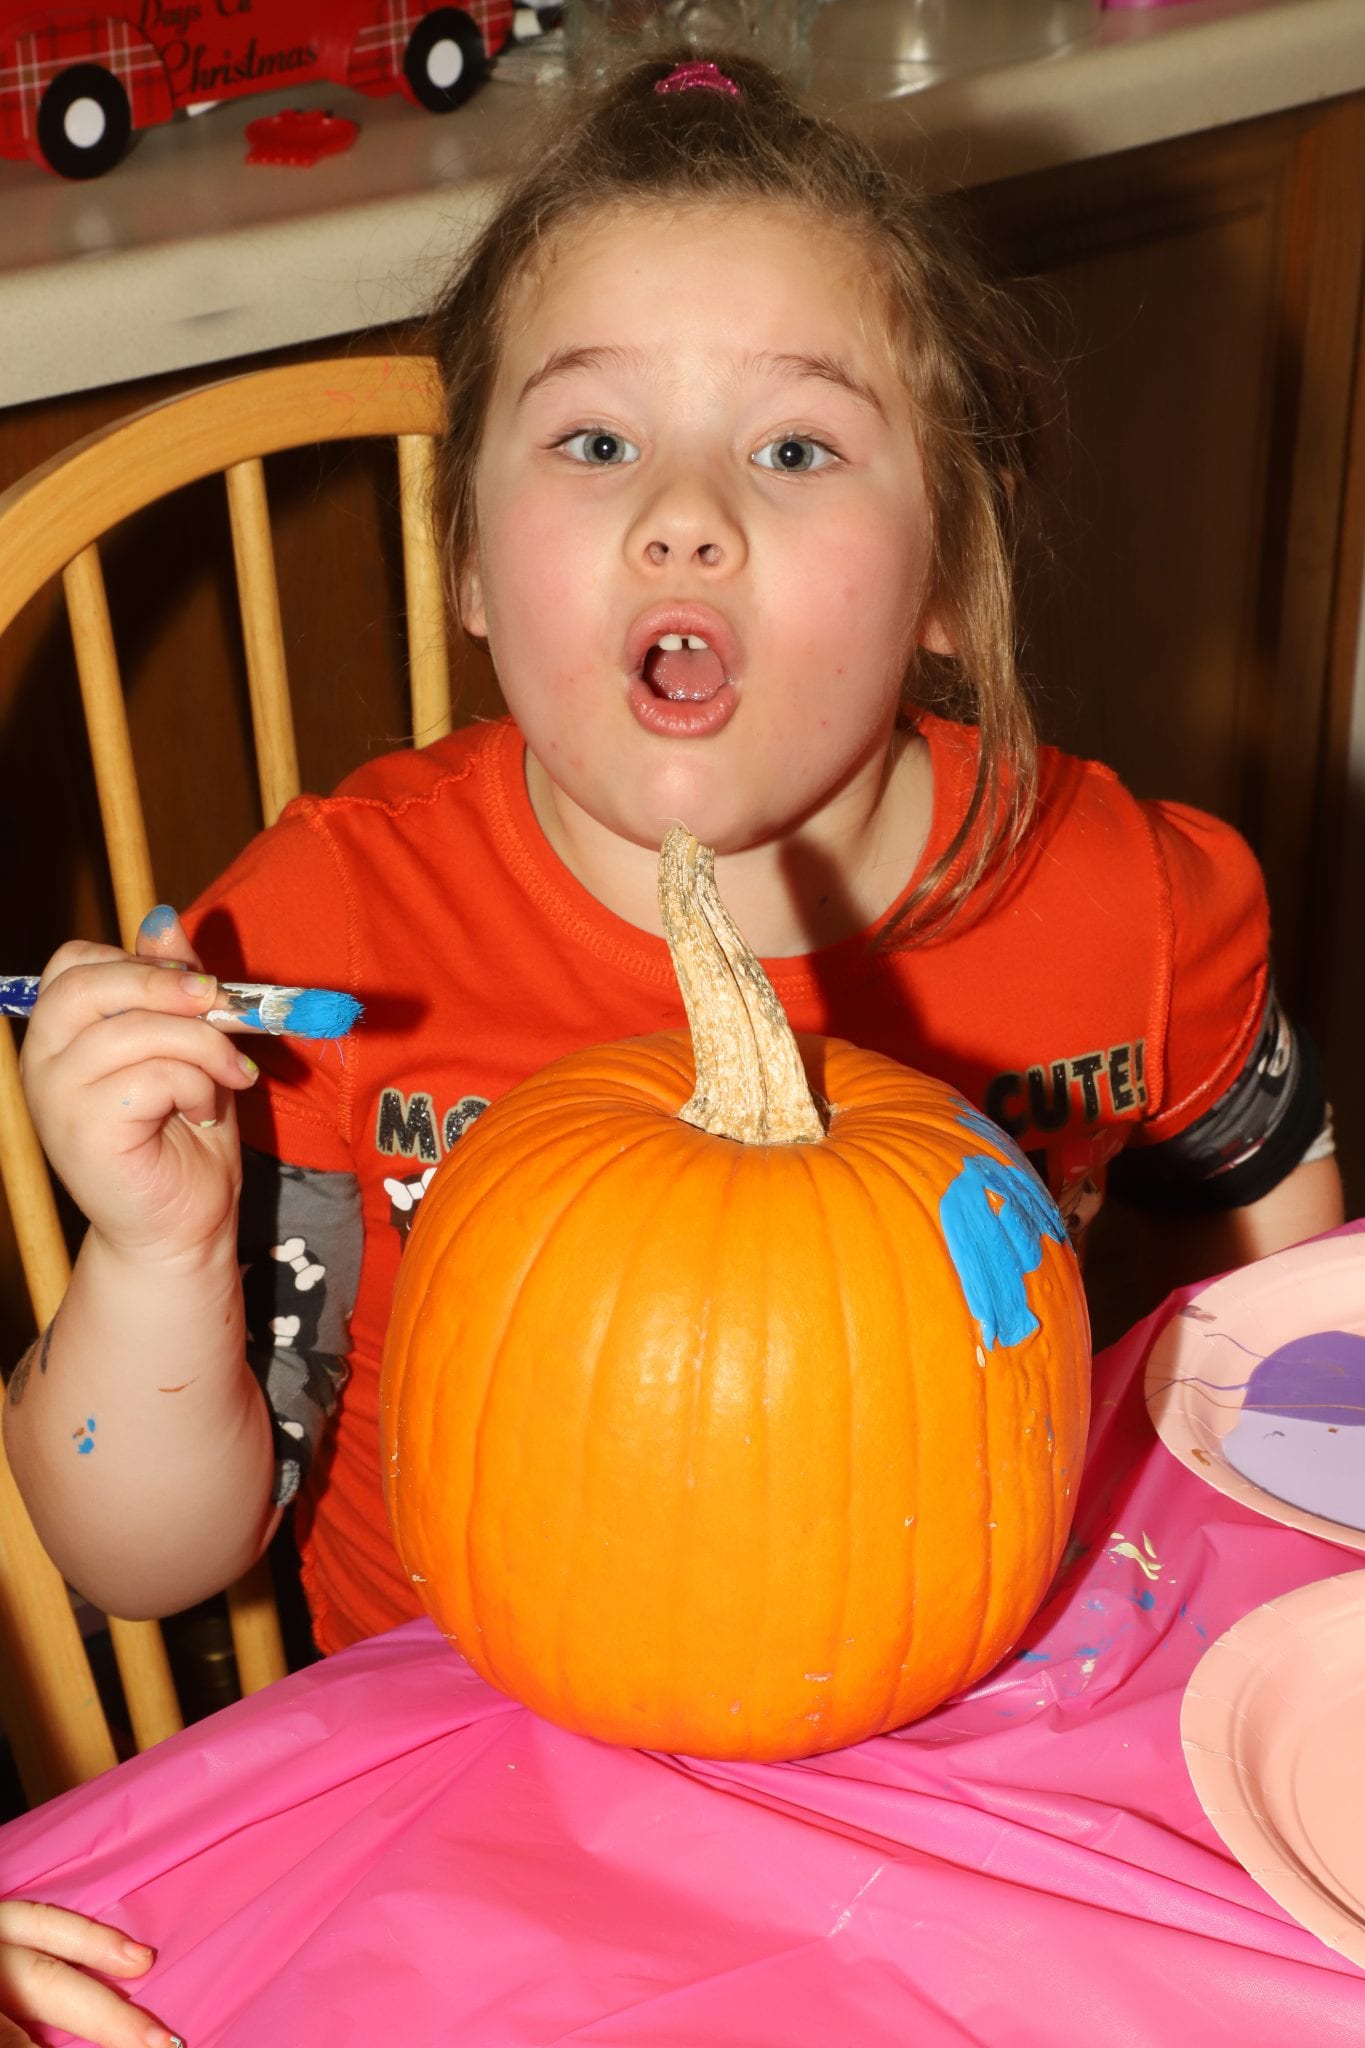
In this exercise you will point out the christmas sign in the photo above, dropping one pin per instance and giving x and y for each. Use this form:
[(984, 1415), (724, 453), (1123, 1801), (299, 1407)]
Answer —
[(77, 79)]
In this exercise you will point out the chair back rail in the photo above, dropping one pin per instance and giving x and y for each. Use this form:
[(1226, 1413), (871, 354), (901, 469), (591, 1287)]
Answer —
[(258, 595), (51, 523)]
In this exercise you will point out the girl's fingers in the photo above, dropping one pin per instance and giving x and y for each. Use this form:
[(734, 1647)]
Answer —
[(58, 1932), (134, 1110), (60, 1059), (78, 953), (161, 936), (86, 990), (45, 1952), (157, 1092), (37, 1989), (139, 1046)]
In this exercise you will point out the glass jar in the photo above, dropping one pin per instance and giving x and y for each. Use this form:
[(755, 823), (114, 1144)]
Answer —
[(602, 35)]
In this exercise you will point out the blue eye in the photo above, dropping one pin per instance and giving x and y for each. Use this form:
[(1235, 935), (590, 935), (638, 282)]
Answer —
[(793, 454), (600, 448)]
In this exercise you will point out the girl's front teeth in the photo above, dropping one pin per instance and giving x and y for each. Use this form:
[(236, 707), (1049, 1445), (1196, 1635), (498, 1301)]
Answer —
[(674, 643)]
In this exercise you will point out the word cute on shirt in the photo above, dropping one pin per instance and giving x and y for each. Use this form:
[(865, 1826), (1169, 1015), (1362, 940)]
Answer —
[(1068, 1114), (1087, 1088)]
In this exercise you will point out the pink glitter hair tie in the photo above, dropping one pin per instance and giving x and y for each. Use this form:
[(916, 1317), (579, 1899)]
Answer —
[(705, 77)]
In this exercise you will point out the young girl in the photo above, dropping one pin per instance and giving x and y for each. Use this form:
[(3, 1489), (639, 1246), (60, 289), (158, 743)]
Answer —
[(735, 458)]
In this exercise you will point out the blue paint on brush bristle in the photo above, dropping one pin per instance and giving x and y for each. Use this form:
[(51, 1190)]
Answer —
[(319, 1013)]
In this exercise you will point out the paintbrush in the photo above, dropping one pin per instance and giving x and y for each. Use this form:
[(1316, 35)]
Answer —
[(237, 1006)]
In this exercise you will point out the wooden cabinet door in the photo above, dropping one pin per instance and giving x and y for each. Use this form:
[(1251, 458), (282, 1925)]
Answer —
[(1197, 625)]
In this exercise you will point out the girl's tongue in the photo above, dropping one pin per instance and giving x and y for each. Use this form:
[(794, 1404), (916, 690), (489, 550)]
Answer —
[(687, 674)]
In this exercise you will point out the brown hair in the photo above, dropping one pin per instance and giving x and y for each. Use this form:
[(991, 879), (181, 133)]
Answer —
[(965, 351)]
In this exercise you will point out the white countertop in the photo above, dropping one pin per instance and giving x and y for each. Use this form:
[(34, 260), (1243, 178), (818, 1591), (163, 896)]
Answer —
[(185, 254)]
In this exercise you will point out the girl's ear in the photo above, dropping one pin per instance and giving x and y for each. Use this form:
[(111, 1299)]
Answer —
[(933, 633), (470, 593)]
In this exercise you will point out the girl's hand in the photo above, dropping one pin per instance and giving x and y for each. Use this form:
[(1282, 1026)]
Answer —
[(131, 1092), (39, 1985)]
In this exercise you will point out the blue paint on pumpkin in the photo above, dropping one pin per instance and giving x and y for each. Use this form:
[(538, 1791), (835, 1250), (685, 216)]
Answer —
[(994, 1217)]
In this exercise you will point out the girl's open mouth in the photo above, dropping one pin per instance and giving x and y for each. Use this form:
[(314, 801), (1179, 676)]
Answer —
[(681, 665), (683, 668)]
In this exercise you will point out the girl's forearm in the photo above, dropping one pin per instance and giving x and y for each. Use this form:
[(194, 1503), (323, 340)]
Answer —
[(138, 1436)]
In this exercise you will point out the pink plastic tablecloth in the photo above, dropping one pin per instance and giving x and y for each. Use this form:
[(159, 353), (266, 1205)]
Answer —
[(381, 1850)]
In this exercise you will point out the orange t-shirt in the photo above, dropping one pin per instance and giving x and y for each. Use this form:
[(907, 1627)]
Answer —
[(1108, 993)]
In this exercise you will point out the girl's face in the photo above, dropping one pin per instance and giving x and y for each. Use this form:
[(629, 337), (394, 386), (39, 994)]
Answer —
[(703, 549)]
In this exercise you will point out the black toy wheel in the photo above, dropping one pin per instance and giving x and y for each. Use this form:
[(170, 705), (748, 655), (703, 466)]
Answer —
[(445, 60), (84, 122)]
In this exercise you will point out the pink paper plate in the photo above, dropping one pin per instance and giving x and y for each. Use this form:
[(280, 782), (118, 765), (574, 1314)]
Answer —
[(1258, 1386), (1273, 1729)]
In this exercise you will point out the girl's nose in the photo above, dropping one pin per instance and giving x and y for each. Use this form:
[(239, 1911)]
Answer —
[(709, 553), (688, 524)]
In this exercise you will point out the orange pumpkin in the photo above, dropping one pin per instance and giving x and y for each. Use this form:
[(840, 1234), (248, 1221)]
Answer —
[(744, 1425)]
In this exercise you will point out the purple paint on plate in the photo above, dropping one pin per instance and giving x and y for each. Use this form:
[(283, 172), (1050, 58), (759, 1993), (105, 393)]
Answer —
[(1319, 1378), (1301, 1433)]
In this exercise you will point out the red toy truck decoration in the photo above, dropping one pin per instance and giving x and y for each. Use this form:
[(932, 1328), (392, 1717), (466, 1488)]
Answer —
[(77, 79)]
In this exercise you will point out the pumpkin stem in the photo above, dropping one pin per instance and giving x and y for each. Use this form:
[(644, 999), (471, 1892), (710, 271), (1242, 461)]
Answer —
[(751, 1084)]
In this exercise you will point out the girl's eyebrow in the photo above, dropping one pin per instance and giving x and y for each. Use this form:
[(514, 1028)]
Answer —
[(561, 360), (826, 369)]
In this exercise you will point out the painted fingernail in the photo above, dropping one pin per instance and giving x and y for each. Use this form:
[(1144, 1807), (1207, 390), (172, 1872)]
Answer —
[(137, 1952), (207, 1123), (180, 966), (157, 922), (200, 984), (157, 2037), (248, 1066)]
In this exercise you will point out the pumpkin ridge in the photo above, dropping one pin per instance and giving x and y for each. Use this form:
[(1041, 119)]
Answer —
[(700, 1404), (485, 1659), (895, 1264), (637, 1080), (920, 1189), (581, 1429), (970, 1661), (643, 1246), (941, 1146), (812, 1163), (478, 1594)]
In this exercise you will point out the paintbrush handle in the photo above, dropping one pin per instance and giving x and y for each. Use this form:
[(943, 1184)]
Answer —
[(18, 994), (238, 1006)]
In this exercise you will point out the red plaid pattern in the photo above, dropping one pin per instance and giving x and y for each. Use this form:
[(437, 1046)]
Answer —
[(369, 58), (29, 65), (377, 53)]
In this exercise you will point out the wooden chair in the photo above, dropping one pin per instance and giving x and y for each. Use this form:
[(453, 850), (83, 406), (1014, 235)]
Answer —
[(50, 524)]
